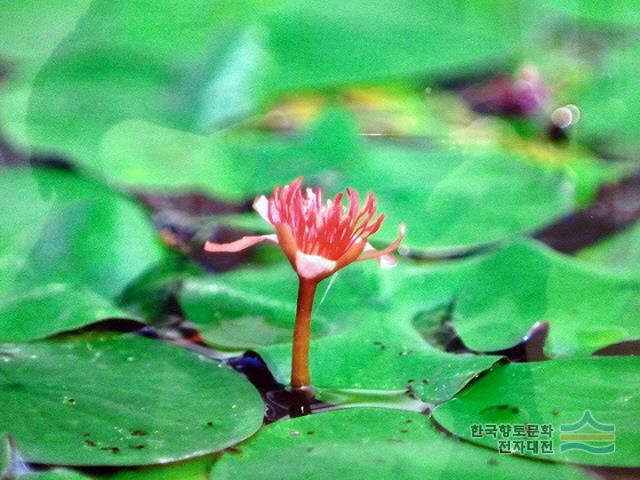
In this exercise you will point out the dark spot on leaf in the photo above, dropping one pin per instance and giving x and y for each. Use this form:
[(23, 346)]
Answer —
[(425, 381), (310, 449), (138, 433), (69, 400), (408, 420), (494, 407), (209, 423), (404, 430), (492, 461), (137, 447), (394, 440), (17, 386), (515, 410), (380, 344), (411, 380), (113, 450), (310, 432), (411, 393), (91, 443), (86, 434), (555, 412), (233, 451)]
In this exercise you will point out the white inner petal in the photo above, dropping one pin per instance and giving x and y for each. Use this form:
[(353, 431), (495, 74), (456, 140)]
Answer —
[(261, 205), (313, 266)]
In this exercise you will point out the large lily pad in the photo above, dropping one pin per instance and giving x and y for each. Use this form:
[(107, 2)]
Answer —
[(620, 252), (526, 283), (66, 253), (230, 166), (610, 105), (365, 335), (121, 400), (557, 393), (380, 444), (459, 199)]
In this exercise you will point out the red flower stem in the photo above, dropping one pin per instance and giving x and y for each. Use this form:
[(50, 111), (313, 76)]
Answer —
[(301, 335)]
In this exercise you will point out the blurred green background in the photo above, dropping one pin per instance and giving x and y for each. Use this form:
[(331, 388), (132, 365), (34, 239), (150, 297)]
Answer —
[(506, 132)]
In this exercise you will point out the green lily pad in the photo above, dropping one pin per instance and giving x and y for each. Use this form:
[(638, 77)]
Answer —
[(28, 33), (196, 469), (379, 443), (526, 283), (459, 199), (65, 253), (620, 252), (412, 39), (230, 166), (194, 68), (557, 393), (224, 166), (7, 467), (610, 105), (364, 335), (121, 400), (622, 12), (151, 295)]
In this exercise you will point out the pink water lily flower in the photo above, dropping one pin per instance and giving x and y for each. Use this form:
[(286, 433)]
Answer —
[(319, 238)]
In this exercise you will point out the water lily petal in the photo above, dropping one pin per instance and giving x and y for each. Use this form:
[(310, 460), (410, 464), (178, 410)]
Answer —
[(313, 266), (261, 205), (318, 238), (384, 257), (287, 242), (243, 243), (352, 254)]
